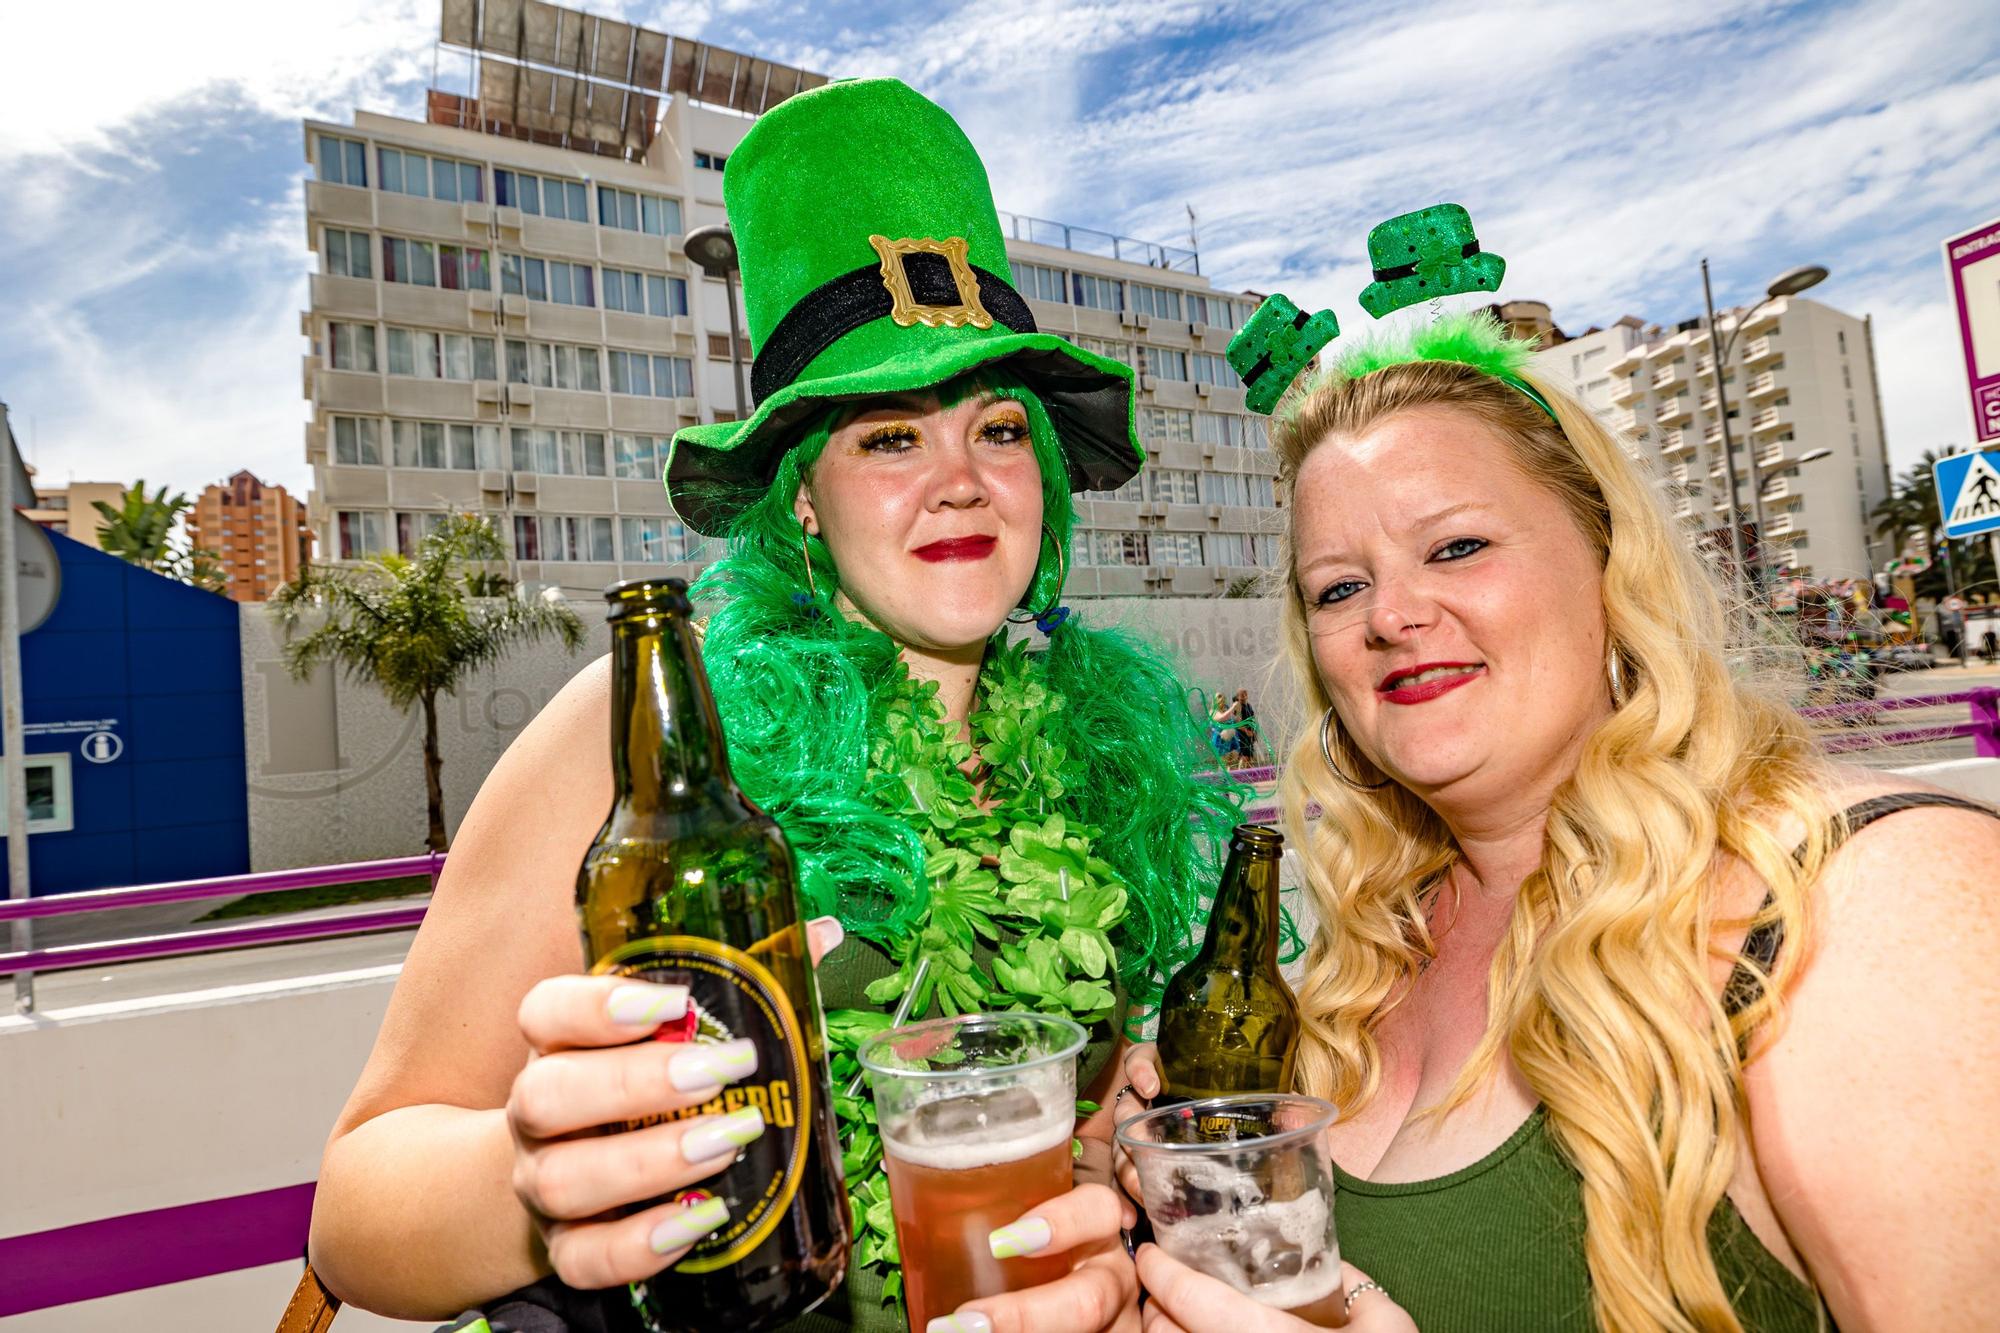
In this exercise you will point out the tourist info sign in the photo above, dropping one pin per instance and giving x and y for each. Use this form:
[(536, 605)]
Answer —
[(1972, 262), (1968, 489)]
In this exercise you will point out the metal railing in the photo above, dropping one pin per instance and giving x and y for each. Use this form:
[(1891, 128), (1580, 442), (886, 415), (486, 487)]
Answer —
[(1983, 729), (1090, 241), (361, 921)]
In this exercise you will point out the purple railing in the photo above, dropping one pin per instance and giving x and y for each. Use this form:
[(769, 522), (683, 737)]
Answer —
[(358, 922), (1983, 729)]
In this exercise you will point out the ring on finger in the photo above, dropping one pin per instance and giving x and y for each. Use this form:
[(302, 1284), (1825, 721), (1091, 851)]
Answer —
[(1347, 1306)]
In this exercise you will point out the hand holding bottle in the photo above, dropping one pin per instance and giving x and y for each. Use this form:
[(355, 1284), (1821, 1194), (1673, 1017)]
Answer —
[(596, 1069)]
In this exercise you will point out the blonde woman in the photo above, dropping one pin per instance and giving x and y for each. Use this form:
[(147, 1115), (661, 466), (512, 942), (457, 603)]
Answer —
[(1636, 1016)]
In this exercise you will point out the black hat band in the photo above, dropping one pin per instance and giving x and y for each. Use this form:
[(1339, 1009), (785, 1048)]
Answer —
[(834, 309), (1466, 251)]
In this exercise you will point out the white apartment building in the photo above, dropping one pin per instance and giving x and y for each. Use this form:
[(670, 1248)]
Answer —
[(511, 326), (1800, 377)]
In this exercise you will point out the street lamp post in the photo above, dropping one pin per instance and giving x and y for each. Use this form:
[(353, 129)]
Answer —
[(713, 249), (1789, 283)]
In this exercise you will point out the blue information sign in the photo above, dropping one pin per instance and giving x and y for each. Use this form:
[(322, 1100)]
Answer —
[(1968, 489)]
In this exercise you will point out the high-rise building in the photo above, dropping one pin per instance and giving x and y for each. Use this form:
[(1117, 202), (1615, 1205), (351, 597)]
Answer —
[(1800, 378), (258, 533), (503, 320), (71, 509)]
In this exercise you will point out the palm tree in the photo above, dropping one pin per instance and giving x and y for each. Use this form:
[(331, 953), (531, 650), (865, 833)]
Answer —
[(415, 628), (141, 528)]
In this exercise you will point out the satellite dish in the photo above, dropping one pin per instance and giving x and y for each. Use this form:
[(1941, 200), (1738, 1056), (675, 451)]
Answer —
[(38, 574)]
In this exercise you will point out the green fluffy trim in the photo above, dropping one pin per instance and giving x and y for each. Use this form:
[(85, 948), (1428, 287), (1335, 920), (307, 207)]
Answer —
[(1476, 340)]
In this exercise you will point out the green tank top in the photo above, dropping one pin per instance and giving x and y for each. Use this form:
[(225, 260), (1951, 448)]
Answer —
[(1497, 1247), (843, 976)]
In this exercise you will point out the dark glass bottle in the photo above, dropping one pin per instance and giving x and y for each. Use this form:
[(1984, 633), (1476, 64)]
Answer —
[(1228, 1021), (688, 883)]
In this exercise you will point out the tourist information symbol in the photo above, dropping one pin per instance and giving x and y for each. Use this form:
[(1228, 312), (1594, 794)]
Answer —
[(1968, 490)]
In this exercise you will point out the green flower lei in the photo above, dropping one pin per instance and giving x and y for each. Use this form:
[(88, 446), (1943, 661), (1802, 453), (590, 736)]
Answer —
[(1010, 872)]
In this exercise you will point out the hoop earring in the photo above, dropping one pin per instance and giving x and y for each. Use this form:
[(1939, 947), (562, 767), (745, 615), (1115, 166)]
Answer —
[(1326, 753), (806, 550), (1615, 672), (1062, 573)]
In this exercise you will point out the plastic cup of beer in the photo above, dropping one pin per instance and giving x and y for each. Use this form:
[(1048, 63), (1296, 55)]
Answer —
[(1241, 1188), (976, 1115)]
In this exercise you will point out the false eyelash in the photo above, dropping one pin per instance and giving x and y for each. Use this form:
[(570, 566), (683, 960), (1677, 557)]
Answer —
[(887, 431)]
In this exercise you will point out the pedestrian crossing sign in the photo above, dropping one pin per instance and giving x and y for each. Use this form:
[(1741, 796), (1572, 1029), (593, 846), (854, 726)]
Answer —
[(1968, 488)]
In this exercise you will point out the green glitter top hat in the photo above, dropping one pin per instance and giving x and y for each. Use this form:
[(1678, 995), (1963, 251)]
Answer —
[(873, 263), (1431, 252), (1274, 345)]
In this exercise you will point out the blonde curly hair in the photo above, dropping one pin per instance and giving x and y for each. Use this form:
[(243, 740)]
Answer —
[(1600, 991)]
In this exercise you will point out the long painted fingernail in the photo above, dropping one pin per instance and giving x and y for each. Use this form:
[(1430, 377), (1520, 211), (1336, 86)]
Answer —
[(970, 1322), (1030, 1235), (701, 1067), (644, 1004), (721, 1136), (830, 930), (688, 1225)]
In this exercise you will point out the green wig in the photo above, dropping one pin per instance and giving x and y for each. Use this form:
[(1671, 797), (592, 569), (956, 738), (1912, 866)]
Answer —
[(801, 688)]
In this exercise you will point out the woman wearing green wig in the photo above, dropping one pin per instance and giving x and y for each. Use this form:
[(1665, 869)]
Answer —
[(992, 824)]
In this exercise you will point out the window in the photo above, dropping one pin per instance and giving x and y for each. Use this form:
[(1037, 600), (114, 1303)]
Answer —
[(412, 528), (1243, 490), (455, 268), (639, 457), (1123, 548), (1220, 430), (361, 534), (569, 453), (554, 366), (452, 445), (1039, 282), (1174, 485), (353, 346), (51, 804), (1160, 302), (1211, 368), (356, 443), (430, 178), (440, 356), (343, 161), (542, 196), (1176, 548), (638, 212), (1133, 489), (547, 280), (645, 293), (1167, 423), (708, 161), (527, 537), (655, 376), (1164, 363), (566, 538), (347, 254), (1082, 546), (1240, 549), (1097, 293), (1215, 311), (651, 541), (1106, 347)]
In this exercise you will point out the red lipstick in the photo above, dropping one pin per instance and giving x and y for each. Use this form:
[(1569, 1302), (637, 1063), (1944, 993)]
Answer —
[(957, 548), (1401, 686)]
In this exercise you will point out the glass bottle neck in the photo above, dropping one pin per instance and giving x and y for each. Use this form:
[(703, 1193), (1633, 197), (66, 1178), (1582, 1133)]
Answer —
[(666, 740), (1243, 923)]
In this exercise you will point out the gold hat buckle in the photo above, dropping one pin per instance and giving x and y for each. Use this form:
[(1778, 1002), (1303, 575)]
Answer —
[(905, 309)]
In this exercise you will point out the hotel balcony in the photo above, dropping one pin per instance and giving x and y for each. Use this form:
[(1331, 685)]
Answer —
[(1784, 525), (1765, 317), (1676, 442), (1672, 410), (1622, 390), (1668, 375), (1759, 351), (1771, 418), (1777, 490), (1712, 433), (1624, 422), (1762, 385)]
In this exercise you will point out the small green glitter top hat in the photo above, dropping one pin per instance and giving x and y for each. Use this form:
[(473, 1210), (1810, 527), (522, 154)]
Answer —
[(1274, 345), (873, 263), (1431, 252)]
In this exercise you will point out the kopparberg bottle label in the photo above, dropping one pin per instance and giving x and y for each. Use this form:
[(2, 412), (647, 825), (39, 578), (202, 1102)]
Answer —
[(733, 997)]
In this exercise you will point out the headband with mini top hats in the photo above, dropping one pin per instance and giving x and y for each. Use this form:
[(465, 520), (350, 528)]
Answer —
[(1279, 342), (873, 263)]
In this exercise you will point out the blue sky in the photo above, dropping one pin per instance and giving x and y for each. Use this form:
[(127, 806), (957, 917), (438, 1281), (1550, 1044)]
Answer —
[(153, 254)]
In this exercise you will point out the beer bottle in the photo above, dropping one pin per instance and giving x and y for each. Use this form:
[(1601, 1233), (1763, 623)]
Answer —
[(690, 884), (1228, 1022)]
